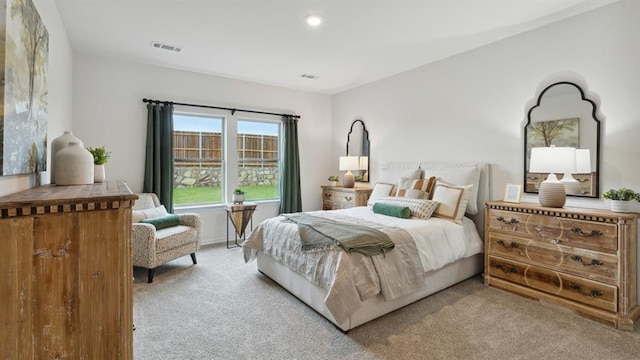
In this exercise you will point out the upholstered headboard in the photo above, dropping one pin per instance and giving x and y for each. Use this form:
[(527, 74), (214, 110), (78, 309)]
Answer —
[(458, 173)]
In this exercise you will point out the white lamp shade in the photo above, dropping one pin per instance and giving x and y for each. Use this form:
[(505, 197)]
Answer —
[(583, 161), (349, 163), (364, 163), (553, 160)]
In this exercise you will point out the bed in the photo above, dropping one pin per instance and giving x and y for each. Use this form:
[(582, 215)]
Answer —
[(431, 253)]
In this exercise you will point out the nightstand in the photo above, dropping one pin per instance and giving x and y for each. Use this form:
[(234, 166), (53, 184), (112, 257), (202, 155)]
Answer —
[(338, 197)]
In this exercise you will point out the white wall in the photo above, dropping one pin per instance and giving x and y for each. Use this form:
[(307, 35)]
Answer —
[(108, 110), (59, 87), (473, 106)]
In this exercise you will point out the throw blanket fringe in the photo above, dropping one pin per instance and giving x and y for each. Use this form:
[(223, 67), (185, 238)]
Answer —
[(321, 233)]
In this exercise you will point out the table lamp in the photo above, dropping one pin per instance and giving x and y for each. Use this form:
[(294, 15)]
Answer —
[(364, 166), (552, 160), (583, 166), (349, 163)]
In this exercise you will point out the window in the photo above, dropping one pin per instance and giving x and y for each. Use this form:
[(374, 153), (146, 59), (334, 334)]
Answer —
[(208, 165), (258, 159), (198, 159)]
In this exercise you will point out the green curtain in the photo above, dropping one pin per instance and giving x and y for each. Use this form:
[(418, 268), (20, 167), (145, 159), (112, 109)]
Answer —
[(158, 168), (290, 195)]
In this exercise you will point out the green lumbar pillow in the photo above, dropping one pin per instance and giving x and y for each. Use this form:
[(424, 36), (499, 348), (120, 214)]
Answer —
[(162, 222), (392, 210)]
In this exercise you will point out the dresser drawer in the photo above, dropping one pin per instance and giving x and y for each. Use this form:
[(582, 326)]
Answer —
[(570, 287), (579, 262), (583, 234)]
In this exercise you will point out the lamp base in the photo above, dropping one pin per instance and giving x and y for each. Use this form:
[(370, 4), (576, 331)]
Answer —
[(348, 180), (571, 185), (552, 193)]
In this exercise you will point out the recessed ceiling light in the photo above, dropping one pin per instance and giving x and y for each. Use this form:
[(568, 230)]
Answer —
[(314, 20)]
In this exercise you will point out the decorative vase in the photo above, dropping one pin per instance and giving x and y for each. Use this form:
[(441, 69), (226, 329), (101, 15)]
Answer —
[(98, 173), (619, 206), (58, 144), (74, 165), (238, 198)]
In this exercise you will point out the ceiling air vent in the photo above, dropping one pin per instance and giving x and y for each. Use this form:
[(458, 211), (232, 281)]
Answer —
[(309, 76), (162, 46)]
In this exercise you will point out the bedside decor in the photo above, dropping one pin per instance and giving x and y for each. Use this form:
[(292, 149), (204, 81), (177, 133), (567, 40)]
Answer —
[(620, 198), (349, 163), (552, 160), (74, 165), (333, 180), (512, 193), (58, 144), (100, 158)]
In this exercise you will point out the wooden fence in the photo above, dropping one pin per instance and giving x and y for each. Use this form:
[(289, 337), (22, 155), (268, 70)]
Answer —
[(192, 148)]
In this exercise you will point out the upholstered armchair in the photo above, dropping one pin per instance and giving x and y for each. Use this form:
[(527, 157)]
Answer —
[(153, 247)]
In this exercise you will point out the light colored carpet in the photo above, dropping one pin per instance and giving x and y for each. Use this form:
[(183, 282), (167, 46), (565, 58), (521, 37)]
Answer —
[(223, 308)]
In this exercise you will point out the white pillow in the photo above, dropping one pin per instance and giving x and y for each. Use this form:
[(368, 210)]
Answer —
[(137, 215), (380, 190), (391, 175), (420, 208), (453, 201), (460, 176)]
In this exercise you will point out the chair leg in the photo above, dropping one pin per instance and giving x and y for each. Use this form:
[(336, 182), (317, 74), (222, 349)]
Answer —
[(150, 280), (193, 257)]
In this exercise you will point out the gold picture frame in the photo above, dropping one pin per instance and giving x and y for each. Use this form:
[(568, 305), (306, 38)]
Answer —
[(512, 193)]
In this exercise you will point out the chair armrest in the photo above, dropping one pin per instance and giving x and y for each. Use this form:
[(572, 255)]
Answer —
[(190, 219), (143, 241)]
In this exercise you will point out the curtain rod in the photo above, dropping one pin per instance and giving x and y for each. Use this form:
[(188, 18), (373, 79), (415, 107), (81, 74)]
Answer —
[(233, 110)]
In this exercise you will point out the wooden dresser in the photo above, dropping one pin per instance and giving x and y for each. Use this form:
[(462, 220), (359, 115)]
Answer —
[(581, 259), (338, 197), (66, 273)]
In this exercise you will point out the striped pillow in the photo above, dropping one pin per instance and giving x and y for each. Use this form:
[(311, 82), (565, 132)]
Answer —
[(425, 185), (420, 208)]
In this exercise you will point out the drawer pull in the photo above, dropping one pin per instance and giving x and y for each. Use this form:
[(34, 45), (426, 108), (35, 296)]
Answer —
[(512, 245), (511, 268), (555, 241), (348, 198), (510, 222), (578, 231), (594, 262), (593, 293)]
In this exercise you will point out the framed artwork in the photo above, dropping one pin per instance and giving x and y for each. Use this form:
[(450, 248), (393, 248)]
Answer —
[(512, 193), (24, 54), (561, 133)]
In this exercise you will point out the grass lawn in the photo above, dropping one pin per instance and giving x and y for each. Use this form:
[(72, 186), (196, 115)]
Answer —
[(205, 195)]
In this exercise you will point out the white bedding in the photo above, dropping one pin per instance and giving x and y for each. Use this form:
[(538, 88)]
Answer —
[(421, 246)]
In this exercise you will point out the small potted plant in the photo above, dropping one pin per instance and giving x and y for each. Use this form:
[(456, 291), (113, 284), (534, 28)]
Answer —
[(238, 196), (100, 157), (333, 180), (620, 198)]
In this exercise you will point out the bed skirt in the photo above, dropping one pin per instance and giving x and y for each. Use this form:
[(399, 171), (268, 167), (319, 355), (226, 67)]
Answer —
[(374, 307)]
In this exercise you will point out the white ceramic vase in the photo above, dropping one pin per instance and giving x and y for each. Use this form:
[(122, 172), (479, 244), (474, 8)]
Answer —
[(619, 206), (58, 144), (74, 165), (237, 198), (98, 173)]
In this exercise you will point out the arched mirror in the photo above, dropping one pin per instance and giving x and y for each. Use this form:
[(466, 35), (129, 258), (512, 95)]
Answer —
[(358, 145), (563, 116)]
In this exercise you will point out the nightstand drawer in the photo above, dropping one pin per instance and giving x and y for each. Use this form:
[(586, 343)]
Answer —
[(335, 197), (579, 262), (584, 291)]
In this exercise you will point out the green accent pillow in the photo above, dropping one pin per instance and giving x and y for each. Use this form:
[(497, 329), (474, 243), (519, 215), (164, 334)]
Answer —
[(392, 210), (162, 222)]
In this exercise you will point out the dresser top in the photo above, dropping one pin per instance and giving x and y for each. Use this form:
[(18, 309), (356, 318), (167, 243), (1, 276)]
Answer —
[(534, 208), (115, 190)]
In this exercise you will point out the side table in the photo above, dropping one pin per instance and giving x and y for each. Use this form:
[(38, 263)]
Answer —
[(240, 215)]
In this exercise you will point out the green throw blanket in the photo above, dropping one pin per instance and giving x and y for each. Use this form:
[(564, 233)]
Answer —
[(317, 232)]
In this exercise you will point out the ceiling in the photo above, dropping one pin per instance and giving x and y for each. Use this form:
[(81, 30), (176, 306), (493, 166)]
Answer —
[(268, 41)]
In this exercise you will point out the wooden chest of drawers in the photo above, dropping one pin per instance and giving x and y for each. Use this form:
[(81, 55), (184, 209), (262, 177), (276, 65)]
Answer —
[(581, 259), (337, 197)]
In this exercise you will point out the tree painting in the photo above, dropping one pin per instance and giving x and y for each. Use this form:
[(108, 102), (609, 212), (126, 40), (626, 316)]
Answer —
[(23, 125)]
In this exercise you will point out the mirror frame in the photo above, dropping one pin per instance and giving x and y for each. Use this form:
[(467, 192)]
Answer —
[(365, 142), (597, 153)]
